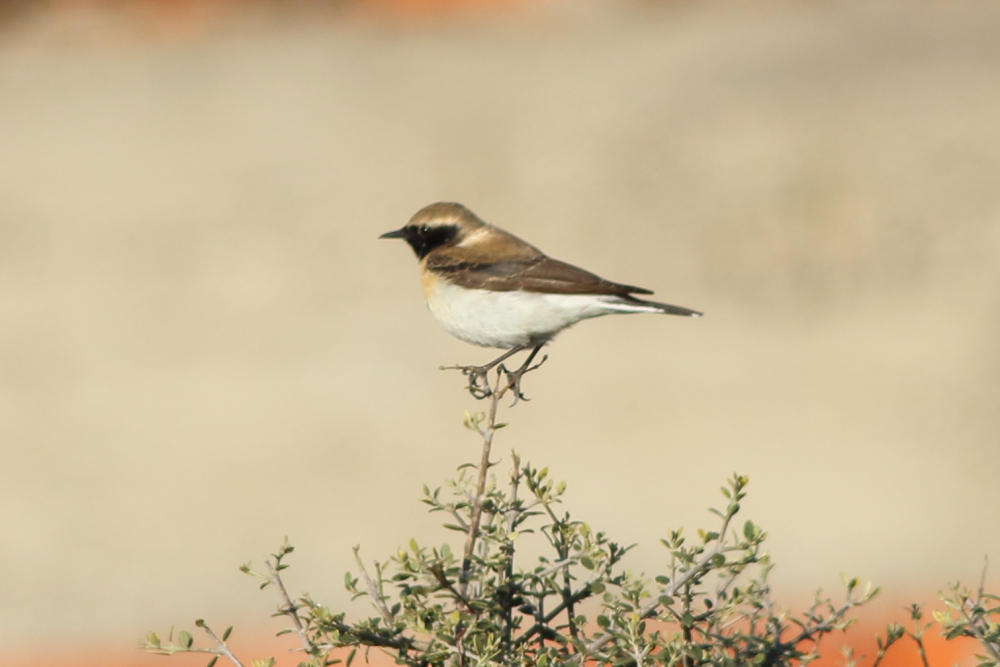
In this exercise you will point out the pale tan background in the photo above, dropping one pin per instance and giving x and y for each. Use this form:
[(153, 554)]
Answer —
[(204, 348)]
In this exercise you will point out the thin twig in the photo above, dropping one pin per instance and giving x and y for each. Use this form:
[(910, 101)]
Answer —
[(918, 637), (508, 548), (373, 589), (484, 466), (990, 646), (975, 631), (821, 625), (543, 620), (558, 565), (442, 580), (291, 610), (515, 478), (459, 521), (223, 647), (700, 568)]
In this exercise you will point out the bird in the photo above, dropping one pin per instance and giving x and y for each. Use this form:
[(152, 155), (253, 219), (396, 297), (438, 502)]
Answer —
[(487, 287)]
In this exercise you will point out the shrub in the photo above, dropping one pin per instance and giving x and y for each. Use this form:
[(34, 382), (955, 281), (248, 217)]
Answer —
[(483, 603)]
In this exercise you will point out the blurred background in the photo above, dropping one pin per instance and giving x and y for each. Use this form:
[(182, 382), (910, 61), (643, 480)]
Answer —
[(204, 347)]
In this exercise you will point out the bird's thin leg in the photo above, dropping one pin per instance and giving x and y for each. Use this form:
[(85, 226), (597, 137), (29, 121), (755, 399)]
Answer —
[(514, 377), (479, 384)]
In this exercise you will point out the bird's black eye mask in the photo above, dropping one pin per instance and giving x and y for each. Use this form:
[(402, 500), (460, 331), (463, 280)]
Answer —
[(424, 238)]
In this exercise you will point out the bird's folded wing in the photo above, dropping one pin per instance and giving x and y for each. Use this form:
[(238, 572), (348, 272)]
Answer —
[(540, 274)]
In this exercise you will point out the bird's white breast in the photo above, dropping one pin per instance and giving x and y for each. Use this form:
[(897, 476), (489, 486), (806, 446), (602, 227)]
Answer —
[(508, 319)]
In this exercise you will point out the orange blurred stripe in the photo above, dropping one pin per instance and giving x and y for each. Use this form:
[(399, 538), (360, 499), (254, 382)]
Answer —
[(860, 637)]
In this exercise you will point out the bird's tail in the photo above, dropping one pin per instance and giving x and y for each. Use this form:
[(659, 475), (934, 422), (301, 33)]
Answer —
[(641, 305)]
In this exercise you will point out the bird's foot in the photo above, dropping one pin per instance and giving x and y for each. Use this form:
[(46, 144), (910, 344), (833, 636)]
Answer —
[(513, 378), (479, 382)]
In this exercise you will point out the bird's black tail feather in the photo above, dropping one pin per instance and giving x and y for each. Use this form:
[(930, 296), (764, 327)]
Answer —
[(666, 308)]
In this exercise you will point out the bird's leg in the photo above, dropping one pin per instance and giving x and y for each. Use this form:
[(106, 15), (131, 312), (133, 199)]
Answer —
[(514, 377), (479, 384)]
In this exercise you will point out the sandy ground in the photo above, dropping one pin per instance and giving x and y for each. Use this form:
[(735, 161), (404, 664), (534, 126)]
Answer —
[(204, 348)]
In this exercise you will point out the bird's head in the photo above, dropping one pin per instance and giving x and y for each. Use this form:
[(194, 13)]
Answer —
[(436, 226)]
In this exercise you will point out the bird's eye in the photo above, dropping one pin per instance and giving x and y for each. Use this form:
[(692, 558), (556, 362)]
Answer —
[(425, 230)]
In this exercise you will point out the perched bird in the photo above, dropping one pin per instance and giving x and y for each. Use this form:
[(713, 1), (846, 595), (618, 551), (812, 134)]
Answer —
[(487, 287)]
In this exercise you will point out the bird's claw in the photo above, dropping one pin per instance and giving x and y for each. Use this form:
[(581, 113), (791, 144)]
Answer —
[(513, 379), (479, 383)]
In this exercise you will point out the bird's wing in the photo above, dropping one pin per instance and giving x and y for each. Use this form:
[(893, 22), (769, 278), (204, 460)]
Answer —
[(538, 274)]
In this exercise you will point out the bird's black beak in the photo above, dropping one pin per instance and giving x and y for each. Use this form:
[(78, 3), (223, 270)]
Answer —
[(398, 234)]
